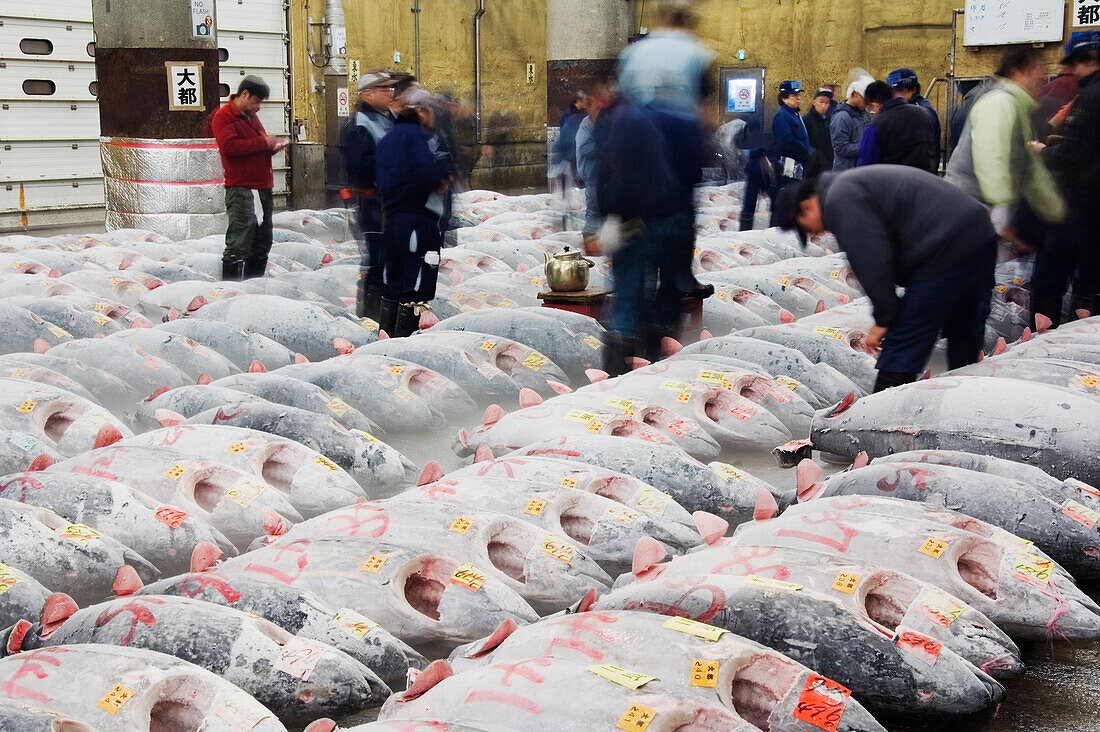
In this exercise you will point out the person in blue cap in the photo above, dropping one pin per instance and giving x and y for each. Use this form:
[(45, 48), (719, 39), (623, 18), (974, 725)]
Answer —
[(899, 133), (1073, 155), (770, 171), (906, 85)]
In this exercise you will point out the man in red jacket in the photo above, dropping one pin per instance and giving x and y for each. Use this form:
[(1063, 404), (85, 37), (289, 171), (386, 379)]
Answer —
[(246, 151)]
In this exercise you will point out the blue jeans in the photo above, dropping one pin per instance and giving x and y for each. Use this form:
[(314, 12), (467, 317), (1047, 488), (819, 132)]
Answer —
[(955, 302)]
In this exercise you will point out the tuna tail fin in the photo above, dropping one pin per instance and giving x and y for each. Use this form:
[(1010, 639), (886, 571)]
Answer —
[(59, 608), (257, 368), (205, 556), (1042, 323), (595, 375), (15, 636), (671, 346), (704, 334), (492, 415), (168, 418), (41, 346), (529, 398), (820, 307), (637, 362), (786, 316), (491, 643), (324, 724), (808, 473), (1000, 347), (559, 387), (274, 524), (1082, 313), (647, 555), (428, 319), (766, 506), (483, 453), (711, 527), (204, 379), (127, 581), (432, 472), (107, 435), (343, 346), (862, 459), (426, 680), (586, 603), (1026, 335), (41, 462)]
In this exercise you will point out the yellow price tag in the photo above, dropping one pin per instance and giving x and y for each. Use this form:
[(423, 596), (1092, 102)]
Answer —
[(1081, 513), (339, 407), (704, 673), (356, 624), (697, 629), (831, 332), (846, 582), (933, 547), (27, 407), (939, 608), (593, 343), (470, 576), (534, 361), (772, 583), (1033, 568), (245, 492), (374, 563), (175, 472), (8, 578), (557, 548), (237, 447), (630, 679), (79, 533), (488, 345), (535, 508), (116, 698), (636, 718), (1090, 381)]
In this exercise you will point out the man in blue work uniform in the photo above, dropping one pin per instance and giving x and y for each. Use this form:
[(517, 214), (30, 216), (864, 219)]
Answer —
[(369, 125), (899, 134), (770, 171), (905, 84)]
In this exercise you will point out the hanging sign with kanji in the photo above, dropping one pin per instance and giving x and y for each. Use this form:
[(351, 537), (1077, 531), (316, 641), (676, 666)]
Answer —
[(184, 86)]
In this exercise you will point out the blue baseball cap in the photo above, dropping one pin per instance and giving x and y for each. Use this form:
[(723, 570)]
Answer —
[(901, 77), (790, 87), (1080, 42)]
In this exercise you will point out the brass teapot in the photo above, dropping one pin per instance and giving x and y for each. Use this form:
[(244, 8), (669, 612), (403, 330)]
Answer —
[(568, 271)]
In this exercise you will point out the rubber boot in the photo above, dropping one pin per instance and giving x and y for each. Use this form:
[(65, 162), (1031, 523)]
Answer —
[(255, 267), (962, 351), (387, 316), (233, 270), (617, 354), (746, 223), (369, 301), (408, 320), (650, 342), (888, 379)]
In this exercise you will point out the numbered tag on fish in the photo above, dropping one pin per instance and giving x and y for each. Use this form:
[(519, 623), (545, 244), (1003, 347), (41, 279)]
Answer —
[(101, 319), (8, 578), (623, 405), (299, 657), (60, 332), (772, 583), (338, 407), (653, 502), (173, 517), (939, 608), (241, 712), (704, 673), (469, 576), (237, 447), (79, 533), (933, 547), (623, 515), (327, 464), (846, 582), (920, 646), (822, 703), (830, 332), (636, 718), (374, 563), (488, 345), (712, 377), (630, 679), (558, 548), (1083, 487), (116, 698), (580, 415), (27, 407), (461, 525), (245, 492), (371, 325), (593, 343), (1080, 513), (175, 472), (568, 482), (681, 427), (534, 361), (729, 473), (356, 624), (403, 394), (1033, 568), (535, 508), (695, 628), (743, 411)]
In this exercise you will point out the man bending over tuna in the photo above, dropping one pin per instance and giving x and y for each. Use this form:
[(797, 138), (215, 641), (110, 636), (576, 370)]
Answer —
[(901, 227)]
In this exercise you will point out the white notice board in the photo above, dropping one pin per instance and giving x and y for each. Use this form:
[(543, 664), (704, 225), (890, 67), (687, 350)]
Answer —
[(999, 22)]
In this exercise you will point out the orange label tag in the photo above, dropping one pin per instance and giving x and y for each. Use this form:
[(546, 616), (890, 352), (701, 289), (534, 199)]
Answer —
[(1032, 568), (79, 533), (743, 411), (939, 608), (623, 515), (558, 548), (704, 673), (461, 525), (933, 547), (175, 471), (1080, 513), (637, 718), (374, 563), (171, 516), (921, 646), (568, 483), (237, 447), (470, 576), (27, 407), (534, 508), (846, 582), (822, 703), (322, 460), (116, 698)]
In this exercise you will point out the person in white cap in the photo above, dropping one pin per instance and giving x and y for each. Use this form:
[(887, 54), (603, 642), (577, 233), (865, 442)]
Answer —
[(369, 125), (848, 123)]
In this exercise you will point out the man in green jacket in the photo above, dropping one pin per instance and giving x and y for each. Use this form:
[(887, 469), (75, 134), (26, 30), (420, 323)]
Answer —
[(997, 160)]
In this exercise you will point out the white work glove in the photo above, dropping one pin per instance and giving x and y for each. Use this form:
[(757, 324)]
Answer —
[(999, 218), (611, 234), (789, 167)]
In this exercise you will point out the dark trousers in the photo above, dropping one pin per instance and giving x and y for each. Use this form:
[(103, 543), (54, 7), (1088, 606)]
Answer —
[(644, 275), (756, 182), (1070, 254), (371, 240), (955, 302), (412, 243), (246, 238)]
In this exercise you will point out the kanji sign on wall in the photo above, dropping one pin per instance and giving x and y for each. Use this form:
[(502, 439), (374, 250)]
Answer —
[(184, 86), (1086, 13)]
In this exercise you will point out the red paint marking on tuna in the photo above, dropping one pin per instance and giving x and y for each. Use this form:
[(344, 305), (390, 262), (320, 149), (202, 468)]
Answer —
[(31, 666), (139, 613), (193, 586), (840, 545), (717, 597), (356, 526), (23, 480), (221, 416), (503, 697), (584, 623), (520, 669), (94, 470)]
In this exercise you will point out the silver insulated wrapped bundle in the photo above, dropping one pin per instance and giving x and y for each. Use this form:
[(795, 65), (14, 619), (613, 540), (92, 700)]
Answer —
[(173, 187)]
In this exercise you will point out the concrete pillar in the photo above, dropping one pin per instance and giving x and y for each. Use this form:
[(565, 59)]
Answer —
[(157, 71), (583, 38)]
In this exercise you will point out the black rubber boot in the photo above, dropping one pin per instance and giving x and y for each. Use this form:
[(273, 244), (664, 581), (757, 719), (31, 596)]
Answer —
[(387, 316), (746, 222), (408, 320), (369, 301), (233, 271), (618, 352), (651, 340), (888, 379), (962, 351), (255, 267)]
